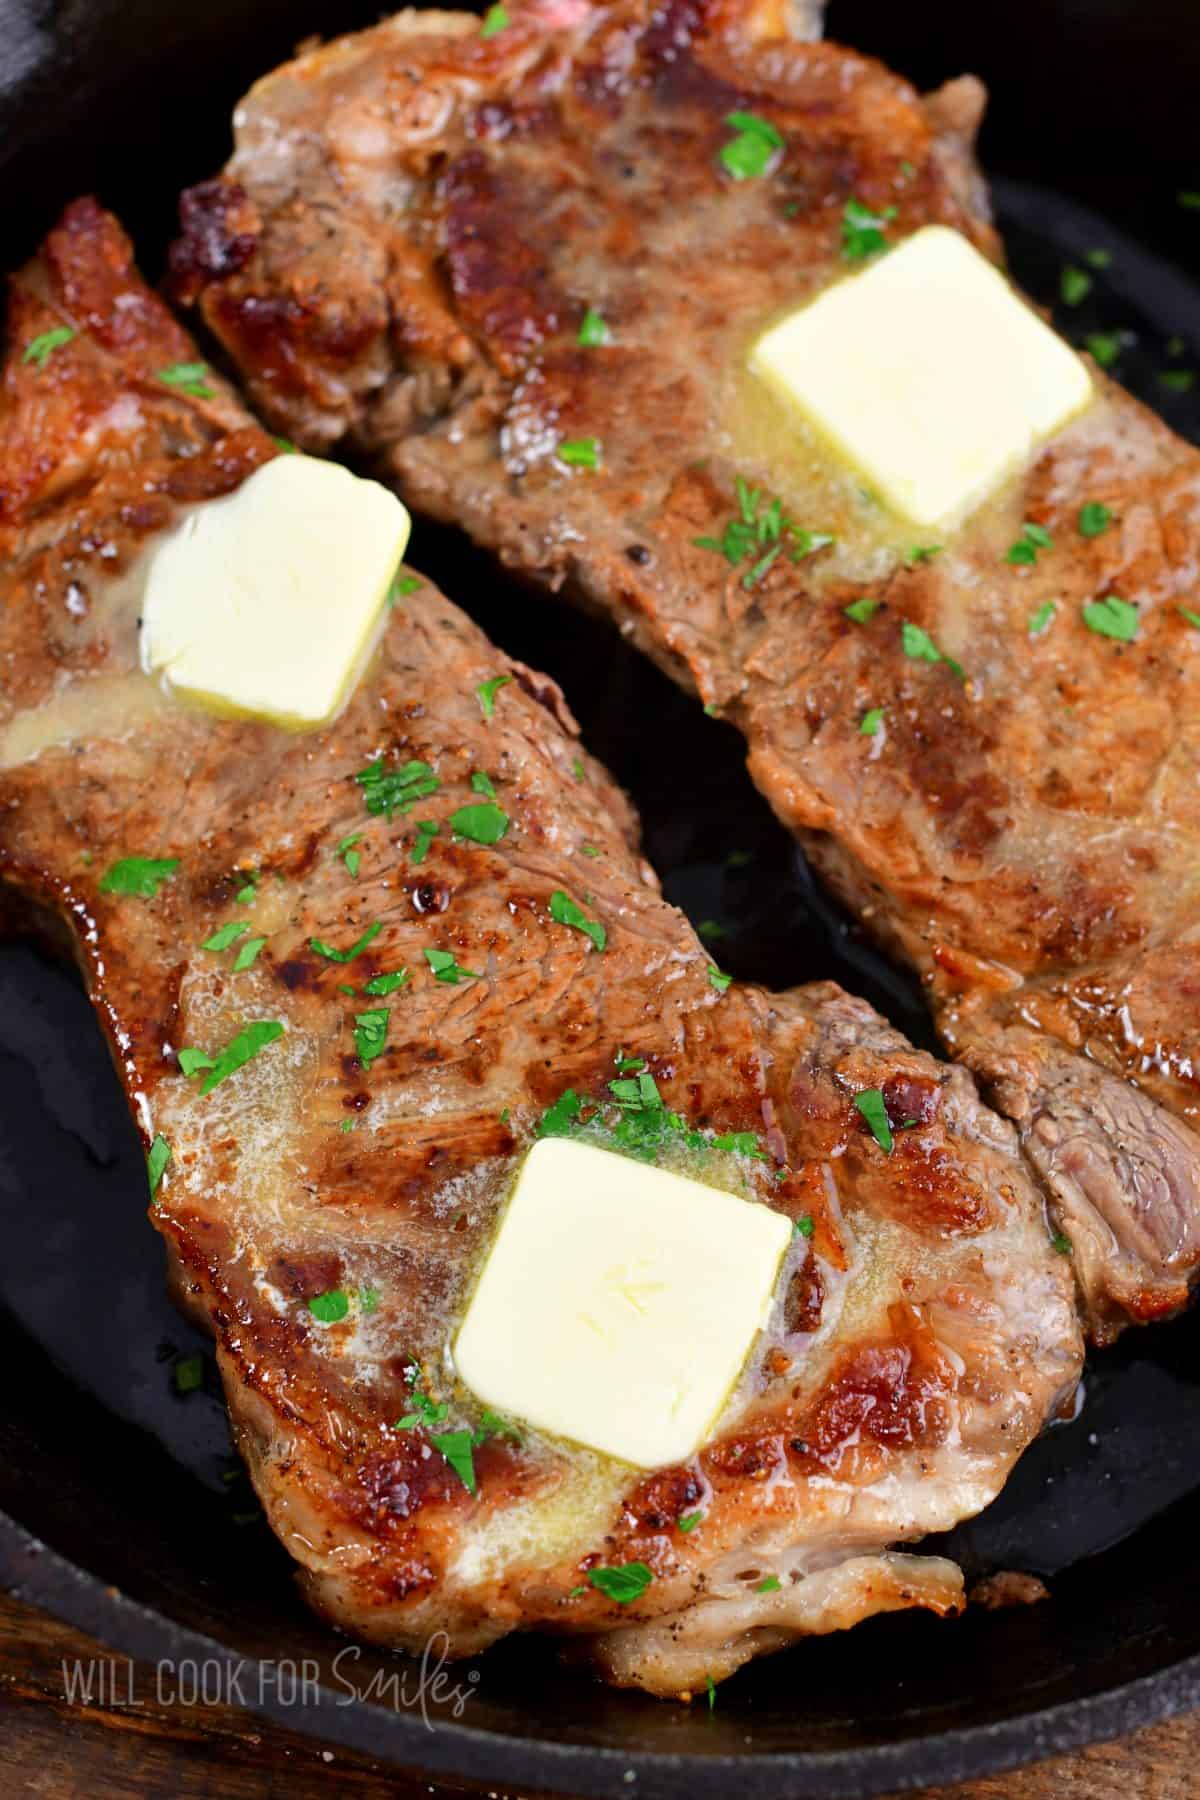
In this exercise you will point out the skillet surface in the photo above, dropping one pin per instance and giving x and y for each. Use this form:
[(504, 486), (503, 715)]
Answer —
[(123, 1509)]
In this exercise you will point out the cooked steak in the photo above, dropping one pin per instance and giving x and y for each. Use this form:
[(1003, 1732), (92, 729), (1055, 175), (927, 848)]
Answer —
[(415, 226), (326, 1203)]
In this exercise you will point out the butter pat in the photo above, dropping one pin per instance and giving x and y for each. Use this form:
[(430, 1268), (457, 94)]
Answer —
[(619, 1302), (265, 603), (928, 374)]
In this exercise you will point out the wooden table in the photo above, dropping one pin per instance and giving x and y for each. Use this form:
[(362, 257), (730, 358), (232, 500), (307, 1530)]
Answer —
[(151, 1751)]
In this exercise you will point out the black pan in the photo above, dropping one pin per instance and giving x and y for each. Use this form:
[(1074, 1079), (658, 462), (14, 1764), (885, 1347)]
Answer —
[(123, 1511)]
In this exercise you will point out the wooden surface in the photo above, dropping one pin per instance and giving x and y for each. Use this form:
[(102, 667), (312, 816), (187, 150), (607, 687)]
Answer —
[(139, 1749)]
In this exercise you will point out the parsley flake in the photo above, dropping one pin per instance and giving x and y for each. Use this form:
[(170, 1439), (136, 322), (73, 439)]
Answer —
[(1112, 617), (188, 1374), (592, 330), (388, 791), (861, 610), (624, 1583), (487, 691), (803, 1227), (250, 1040), (1193, 618), (689, 1521), (189, 378), (1179, 381), (457, 1448), (1074, 286), (387, 983), (481, 783), (495, 20), (248, 893), (156, 1162), (921, 553), (1094, 519), (141, 876), (370, 1034), (40, 349), (444, 966), (484, 824), (565, 911), (1041, 618), (226, 935), (331, 1307), (427, 830), (753, 150), (763, 530), (402, 585), (920, 646), (1032, 541), (863, 231), (712, 1692), (579, 453), (718, 979), (1105, 347), (344, 956), (1062, 1243), (248, 955), (870, 1105), (1098, 259), (768, 1585), (871, 721)]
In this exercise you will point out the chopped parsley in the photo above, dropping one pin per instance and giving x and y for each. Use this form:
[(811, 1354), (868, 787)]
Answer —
[(483, 824), (331, 1307), (803, 1227), (577, 769), (565, 911), (1074, 286), (247, 893), (40, 349), (427, 830), (1033, 540), (387, 983), (141, 876), (624, 1584), (495, 20), (592, 330), (481, 783), (226, 935), (1094, 519), (402, 585), (349, 855), (487, 691), (710, 930), (1112, 617), (425, 1411), (863, 231), (768, 1585), (344, 956), (921, 553), (589, 850), (762, 530), (458, 1449), (388, 791), (189, 378), (444, 966), (718, 979), (368, 1299), (1193, 618), (286, 445), (636, 1119), (248, 955), (861, 610), (579, 453), (1179, 381), (689, 1521), (1098, 259), (241, 1050), (753, 150), (871, 721), (370, 1034), (712, 1692), (920, 646), (1062, 1243), (1105, 347), (188, 1374), (1041, 617), (870, 1105), (156, 1162)]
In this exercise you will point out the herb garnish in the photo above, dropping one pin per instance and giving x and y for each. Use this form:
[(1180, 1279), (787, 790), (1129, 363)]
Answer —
[(487, 691), (921, 553), (390, 791), (444, 966), (862, 230), (331, 1307), (344, 956), (920, 646), (565, 911), (870, 1105), (156, 1162), (427, 830), (718, 979), (1062, 1243), (481, 783), (712, 1692), (1112, 617), (402, 585), (624, 1584), (688, 1521), (226, 935), (862, 610), (141, 876), (188, 1374), (803, 1227), (1094, 519), (1033, 540), (871, 721), (349, 855), (247, 956), (484, 824), (1179, 381), (1193, 618), (189, 379), (579, 453), (592, 330), (370, 1034), (40, 349), (386, 983), (637, 1120), (1039, 619), (768, 1585), (762, 526), (495, 19), (753, 150), (246, 1045), (1105, 347), (248, 893), (1075, 285)]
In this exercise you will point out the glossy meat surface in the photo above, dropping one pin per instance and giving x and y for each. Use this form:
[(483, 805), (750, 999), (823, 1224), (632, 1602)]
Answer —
[(400, 258), (924, 1329)]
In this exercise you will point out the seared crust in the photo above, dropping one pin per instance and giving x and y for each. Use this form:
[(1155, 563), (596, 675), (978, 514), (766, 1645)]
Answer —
[(424, 220), (928, 1329)]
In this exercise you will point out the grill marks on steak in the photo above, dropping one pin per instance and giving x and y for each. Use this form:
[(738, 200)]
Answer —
[(1026, 838), (940, 1343)]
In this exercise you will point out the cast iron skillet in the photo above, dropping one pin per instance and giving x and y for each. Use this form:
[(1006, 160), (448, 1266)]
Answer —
[(123, 1510)]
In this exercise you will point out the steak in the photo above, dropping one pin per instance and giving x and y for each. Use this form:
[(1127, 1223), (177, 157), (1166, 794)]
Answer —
[(400, 258), (327, 1199)]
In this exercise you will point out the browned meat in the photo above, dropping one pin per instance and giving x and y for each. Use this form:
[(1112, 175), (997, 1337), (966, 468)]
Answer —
[(925, 1328), (411, 230)]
